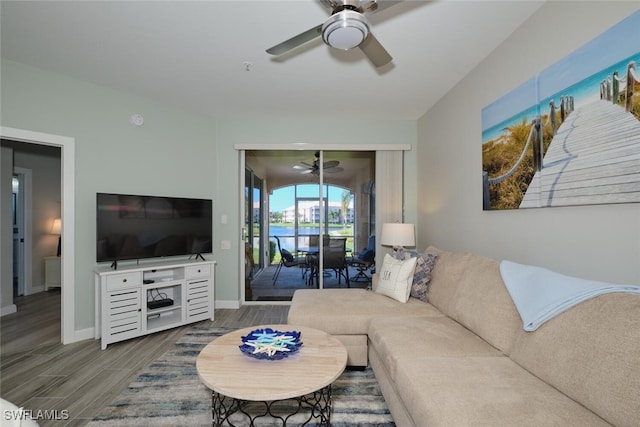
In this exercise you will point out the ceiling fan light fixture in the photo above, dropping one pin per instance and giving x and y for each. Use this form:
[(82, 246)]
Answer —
[(345, 30)]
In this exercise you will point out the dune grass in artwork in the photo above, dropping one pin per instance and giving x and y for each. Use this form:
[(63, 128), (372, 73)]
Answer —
[(635, 100), (499, 155)]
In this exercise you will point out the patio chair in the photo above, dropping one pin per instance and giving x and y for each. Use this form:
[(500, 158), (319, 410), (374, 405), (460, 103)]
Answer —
[(287, 259), (334, 256), (364, 260)]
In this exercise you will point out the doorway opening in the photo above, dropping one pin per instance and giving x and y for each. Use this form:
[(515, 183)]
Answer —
[(65, 211), (309, 200)]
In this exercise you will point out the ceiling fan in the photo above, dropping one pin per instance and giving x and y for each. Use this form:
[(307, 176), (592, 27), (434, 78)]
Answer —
[(330, 166), (346, 28)]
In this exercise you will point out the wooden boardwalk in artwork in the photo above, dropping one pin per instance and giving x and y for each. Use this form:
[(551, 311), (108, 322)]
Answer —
[(594, 158)]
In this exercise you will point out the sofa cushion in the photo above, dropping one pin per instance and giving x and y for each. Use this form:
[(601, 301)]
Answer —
[(482, 303), (483, 391), (395, 278), (356, 349), (445, 278), (348, 311), (420, 337), (591, 352), (387, 386)]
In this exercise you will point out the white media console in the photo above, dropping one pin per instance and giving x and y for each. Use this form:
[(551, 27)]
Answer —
[(123, 296)]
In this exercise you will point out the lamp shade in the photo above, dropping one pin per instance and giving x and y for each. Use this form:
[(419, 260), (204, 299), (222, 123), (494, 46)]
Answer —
[(56, 227), (397, 234)]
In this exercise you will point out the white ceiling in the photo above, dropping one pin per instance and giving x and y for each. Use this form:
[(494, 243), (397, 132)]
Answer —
[(193, 54)]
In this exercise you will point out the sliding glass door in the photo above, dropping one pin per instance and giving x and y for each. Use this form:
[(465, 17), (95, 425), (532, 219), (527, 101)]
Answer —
[(317, 210)]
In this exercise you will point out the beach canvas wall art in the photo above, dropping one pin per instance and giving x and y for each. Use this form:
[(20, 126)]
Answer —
[(569, 135)]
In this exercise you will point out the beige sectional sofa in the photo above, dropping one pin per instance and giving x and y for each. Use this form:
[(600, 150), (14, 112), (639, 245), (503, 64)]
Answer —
[(463, 358)]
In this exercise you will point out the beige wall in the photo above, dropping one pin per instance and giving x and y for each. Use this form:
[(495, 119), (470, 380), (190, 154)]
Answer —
[(175, 153), (598, 242)]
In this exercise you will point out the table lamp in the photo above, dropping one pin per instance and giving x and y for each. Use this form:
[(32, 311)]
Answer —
[(56, 228), (398, 235)]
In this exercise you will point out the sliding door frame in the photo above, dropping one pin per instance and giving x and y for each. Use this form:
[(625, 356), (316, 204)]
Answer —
[(391, 211)]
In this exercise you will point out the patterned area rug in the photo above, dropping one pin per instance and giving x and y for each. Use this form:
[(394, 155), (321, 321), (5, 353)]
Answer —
[(168, 392)]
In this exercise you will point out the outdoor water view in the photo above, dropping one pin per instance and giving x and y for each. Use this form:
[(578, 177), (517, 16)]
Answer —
[(295, 216), (286, 233), (284, 210)]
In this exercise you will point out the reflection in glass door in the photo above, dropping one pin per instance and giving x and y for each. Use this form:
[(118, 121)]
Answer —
[(254, 215), (257, 223)]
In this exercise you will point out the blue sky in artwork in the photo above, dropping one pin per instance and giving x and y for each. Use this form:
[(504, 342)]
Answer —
[(614, 45), (516, 101)]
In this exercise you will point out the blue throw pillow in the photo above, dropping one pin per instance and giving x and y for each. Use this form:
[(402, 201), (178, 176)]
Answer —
[(422, 272)]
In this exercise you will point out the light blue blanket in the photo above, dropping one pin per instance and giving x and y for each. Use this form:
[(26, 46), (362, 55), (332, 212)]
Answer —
[(540, 294)]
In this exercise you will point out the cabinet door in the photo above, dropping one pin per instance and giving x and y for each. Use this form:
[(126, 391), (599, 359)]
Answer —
[(123, 315), (198, 300)]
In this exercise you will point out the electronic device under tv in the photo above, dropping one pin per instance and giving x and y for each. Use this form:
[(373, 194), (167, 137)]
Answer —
[(132, 227)]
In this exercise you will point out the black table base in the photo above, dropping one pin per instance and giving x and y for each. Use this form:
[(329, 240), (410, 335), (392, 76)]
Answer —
[(227, 411)]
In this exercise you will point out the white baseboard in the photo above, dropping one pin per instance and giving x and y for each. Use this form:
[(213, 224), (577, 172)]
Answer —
[(8, 310), (84, 334), (233, 304), (81, 335), (34, 290)]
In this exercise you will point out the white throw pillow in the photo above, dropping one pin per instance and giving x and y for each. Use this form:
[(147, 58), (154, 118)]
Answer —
[(395, 278)]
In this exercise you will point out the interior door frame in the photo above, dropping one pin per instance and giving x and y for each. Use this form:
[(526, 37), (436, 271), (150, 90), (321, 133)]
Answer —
[(241, 148), (67, 202)]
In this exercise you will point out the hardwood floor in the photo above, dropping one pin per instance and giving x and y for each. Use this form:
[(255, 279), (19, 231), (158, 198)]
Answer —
[(39, 373)]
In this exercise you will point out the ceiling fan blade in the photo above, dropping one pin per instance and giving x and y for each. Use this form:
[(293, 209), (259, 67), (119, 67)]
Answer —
[(329, 4), (300, 167), (330, 164), (373, 50), (296, 41), (307, 171), (333, 170)]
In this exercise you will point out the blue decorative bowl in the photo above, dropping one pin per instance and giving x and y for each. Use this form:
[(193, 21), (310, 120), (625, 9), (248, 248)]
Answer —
[(270, 344)]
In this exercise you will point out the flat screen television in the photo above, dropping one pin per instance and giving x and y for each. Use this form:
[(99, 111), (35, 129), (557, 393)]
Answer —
[(136, 227)]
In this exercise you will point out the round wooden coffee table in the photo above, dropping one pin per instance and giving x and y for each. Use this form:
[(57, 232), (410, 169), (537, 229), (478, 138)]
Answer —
[(250, 388)]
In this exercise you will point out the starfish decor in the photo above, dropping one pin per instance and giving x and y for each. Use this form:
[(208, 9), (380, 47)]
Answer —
[(270, 344)]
